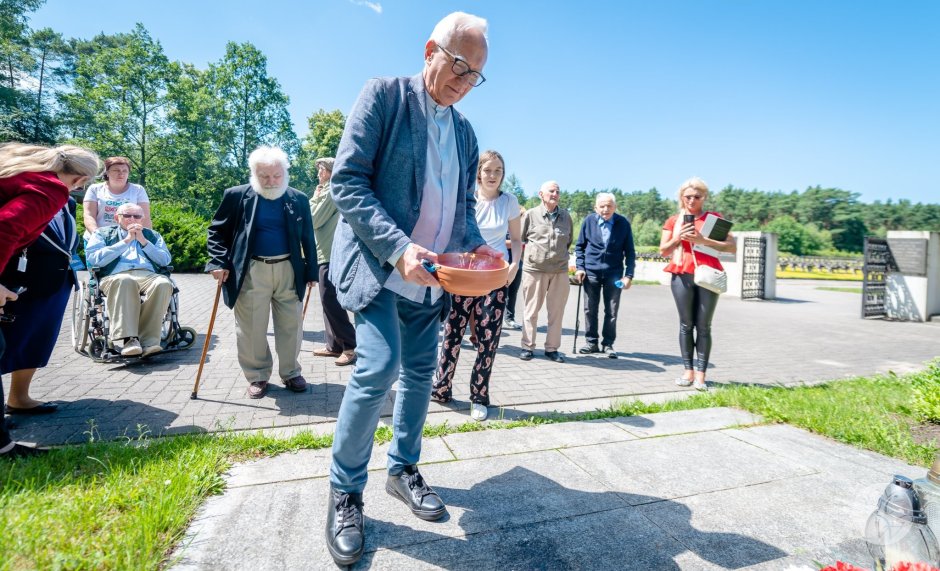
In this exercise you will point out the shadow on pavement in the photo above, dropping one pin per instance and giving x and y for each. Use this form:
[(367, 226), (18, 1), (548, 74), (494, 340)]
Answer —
[(522, 520)]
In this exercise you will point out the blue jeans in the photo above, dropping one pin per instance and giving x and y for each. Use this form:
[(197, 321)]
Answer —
[(395, 338)]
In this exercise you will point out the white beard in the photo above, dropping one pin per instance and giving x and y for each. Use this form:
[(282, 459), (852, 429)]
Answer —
[(270, 193)]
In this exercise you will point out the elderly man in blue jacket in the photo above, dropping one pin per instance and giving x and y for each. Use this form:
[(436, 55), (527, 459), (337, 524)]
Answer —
[(403, 181), (605, 260)]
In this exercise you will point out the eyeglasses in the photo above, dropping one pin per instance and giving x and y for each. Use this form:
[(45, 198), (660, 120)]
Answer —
[(692, 197), (462, 69), (134, 216)]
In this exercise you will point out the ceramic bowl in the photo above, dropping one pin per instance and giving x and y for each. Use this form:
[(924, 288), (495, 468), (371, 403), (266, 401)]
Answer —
[(471, 274)]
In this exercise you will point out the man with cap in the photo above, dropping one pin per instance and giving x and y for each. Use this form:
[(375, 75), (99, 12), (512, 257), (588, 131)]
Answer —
[(340, 334)]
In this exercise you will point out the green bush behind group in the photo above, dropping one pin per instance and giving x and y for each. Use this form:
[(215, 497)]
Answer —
[(188, 132)]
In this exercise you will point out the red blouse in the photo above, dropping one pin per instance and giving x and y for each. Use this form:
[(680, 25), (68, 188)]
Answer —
[(28, 201), (688, 266)]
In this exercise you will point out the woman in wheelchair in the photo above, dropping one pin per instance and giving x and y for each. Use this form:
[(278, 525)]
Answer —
[(132, 264)]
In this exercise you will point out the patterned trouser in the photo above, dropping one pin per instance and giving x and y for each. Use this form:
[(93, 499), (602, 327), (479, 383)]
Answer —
[(488, 312)]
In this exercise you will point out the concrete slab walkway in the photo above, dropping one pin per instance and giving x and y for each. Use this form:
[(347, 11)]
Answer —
[(808, 335), (695, 490)]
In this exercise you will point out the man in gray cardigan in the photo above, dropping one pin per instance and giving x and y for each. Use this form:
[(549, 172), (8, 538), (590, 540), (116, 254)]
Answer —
[(403, 182)]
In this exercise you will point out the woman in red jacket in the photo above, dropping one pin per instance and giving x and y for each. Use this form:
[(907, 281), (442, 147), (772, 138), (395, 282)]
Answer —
[(34, 185), (696, 304)]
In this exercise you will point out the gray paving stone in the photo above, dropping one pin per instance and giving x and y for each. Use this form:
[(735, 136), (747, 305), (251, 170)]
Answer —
[(529, 439), (697, 420), (810, 517), (646, 343), (683, 465), (306, 464)]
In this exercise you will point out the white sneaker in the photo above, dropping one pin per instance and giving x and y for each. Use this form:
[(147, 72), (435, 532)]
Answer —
[(478, 412), (131, 348), (700, 386), (151, 350), (683, 382)]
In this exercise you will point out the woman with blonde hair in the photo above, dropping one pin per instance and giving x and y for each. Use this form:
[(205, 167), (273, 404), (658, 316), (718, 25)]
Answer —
[(34, 186), (497, 213), (103, 199), (696, 305)]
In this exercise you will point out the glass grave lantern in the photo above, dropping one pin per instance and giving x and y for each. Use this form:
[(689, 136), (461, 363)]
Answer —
[(897, 531)]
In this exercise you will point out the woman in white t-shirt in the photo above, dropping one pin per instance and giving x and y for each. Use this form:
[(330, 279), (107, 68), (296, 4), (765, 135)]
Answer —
[(102, 200), (496, 213)]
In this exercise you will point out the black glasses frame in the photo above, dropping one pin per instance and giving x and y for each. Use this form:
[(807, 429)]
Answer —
[(463, 65)]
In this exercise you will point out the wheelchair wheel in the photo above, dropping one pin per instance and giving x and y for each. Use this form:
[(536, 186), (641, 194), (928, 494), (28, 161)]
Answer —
[(81, 318), (99, 348), (186, 337)]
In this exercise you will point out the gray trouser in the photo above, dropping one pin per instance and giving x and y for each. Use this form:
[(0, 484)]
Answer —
[(268, 290)]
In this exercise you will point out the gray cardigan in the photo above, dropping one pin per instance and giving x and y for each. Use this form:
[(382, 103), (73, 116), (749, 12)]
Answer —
[(378, 181)]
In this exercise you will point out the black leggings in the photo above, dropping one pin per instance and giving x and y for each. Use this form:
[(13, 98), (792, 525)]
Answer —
[(696, 307)]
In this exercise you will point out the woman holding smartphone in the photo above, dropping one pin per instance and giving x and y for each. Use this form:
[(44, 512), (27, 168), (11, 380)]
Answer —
[(696, 305)]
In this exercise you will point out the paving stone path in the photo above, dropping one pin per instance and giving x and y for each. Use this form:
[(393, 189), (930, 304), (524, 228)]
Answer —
[(808, 335)]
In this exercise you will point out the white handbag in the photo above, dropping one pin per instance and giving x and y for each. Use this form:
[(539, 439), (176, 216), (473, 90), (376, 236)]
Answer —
[(710, 278)]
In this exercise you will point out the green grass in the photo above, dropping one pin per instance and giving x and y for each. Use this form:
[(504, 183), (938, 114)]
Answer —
[(843, 289), (124, 505)]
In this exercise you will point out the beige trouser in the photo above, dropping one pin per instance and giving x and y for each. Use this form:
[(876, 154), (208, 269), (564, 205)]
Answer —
[(131, 318), (552, 289), (268, 290)]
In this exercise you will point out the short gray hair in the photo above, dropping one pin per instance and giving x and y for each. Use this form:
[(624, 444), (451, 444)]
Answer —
[(456, 23), (548, 184), (127, 206), (605, 196), (266, 155)]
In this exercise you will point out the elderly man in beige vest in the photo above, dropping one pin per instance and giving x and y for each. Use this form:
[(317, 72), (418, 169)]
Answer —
[(547, 232)]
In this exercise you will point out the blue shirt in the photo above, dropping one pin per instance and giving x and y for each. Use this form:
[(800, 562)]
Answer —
[(270, 229), (605, 228), (131, 255), (438, 199)]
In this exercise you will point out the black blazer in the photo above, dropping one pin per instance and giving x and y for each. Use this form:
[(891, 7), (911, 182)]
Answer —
[(48, 260), (231, 237)]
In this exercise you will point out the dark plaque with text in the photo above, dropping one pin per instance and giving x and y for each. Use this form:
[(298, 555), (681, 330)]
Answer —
[(910, 255)]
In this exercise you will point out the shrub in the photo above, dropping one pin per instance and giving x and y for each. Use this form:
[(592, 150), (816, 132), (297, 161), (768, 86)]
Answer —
[(184, 233), (926, 389)]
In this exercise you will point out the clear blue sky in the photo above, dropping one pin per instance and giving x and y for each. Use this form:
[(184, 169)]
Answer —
[(766, 94)]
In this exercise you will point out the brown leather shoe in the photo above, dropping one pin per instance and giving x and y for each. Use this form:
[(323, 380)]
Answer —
[(297, 384), (326, 353), (257, 389), (347, 358)]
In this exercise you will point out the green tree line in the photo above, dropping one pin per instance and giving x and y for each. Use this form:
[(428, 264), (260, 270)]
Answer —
[(188, 132)]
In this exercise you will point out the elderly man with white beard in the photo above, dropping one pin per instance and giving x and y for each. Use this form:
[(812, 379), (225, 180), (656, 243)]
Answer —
[(262, 248)]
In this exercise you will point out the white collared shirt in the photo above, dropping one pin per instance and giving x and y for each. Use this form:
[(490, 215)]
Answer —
[(438, 200)]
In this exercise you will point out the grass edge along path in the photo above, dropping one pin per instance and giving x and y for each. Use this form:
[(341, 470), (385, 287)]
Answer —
[(126, 504)]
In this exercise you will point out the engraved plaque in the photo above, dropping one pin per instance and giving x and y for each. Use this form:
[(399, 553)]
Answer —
[(910, 255)]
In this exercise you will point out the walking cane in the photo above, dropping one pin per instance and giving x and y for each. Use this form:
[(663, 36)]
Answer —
[(205, 348), (577, 317), (306, 302)]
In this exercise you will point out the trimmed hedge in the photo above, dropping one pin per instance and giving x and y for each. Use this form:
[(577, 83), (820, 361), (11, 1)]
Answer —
[(185, 235)]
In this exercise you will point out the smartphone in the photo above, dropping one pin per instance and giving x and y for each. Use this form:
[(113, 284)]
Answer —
[(688, 218)]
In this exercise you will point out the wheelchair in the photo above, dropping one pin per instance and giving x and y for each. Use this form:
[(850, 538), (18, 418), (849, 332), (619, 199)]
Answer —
[(91, 324)]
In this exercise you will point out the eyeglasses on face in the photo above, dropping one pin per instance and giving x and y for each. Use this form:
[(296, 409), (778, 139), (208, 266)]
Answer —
[(462, 69), (134, 216), (692, 197)]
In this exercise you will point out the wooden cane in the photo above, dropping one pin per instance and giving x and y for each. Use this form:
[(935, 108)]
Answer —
[(205, 348), (577, 317), (306, 303)]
